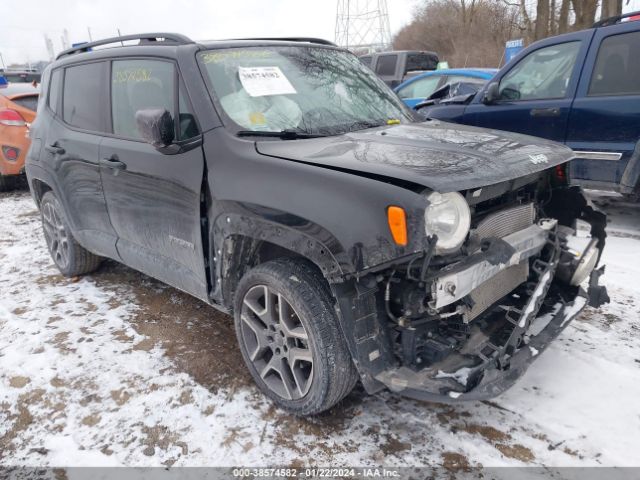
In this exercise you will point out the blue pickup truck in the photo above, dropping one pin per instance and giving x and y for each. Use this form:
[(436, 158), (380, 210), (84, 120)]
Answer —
[(582, 89)]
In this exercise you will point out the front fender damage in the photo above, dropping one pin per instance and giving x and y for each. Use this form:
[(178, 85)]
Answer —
[(423, 347)]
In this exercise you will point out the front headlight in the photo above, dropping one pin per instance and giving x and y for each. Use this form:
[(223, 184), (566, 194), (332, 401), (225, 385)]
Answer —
[(448, 217)]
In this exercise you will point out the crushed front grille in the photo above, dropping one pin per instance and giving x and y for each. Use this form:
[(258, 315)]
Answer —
[(495, 288), (506, 221)]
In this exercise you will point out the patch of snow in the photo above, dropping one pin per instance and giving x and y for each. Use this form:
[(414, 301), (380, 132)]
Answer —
[(540, 323), (68, 364), (571, 310), (534, 298), (461, 376)]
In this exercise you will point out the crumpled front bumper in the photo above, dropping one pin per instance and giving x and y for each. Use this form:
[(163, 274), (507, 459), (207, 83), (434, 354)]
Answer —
[(498, 376)]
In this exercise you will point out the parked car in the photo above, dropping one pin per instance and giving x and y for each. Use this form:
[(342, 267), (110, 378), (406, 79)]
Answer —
[(582, 89), (21, 75), (396, 66), (419, 88), (284, 183), (18, 104)]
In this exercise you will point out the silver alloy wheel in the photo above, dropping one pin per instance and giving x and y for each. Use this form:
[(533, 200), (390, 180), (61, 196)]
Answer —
[(277, 342), (56, 235)]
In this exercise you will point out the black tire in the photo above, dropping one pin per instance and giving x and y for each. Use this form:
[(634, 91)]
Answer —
[(297, 289), (68, 255)]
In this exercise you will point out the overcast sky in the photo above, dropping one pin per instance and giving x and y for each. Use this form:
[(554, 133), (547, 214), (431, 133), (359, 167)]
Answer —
[(23, 23)]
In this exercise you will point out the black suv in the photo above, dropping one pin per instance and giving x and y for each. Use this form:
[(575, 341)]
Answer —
[(283, 182)]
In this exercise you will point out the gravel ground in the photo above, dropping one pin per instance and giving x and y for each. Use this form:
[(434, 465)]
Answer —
[(116, 368)]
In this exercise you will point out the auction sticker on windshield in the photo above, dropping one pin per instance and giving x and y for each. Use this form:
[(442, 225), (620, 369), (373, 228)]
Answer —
[(263, 81)]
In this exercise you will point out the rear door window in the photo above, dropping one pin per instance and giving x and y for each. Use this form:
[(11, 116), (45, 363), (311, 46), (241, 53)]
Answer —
[(386, 64), (83, 96), (140, 85), (617, 68)]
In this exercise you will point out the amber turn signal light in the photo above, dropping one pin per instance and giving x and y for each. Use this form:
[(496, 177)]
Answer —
[(397, 224)]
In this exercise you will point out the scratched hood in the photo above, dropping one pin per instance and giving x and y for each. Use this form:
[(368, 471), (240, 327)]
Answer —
[(441, 156)]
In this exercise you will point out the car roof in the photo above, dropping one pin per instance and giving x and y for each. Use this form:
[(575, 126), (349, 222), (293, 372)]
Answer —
[(170, 49), (12, 89), (484, 73)]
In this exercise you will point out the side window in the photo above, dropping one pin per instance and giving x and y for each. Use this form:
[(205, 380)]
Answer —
[(617, 69), (54, 90), (188, 128), (82, 100), (543, 74), (366, 60), (139, 85), (386, 64), (463, 79), (421, 88)]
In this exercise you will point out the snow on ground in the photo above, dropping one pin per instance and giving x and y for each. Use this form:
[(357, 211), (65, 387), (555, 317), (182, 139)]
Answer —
[(117, 369)]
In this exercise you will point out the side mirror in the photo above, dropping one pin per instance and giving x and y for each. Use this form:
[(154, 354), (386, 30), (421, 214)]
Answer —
[(491, 94), (156, 126)]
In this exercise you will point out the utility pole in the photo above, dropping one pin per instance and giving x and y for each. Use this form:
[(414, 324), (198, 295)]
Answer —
[(1, 58), (89, 31)]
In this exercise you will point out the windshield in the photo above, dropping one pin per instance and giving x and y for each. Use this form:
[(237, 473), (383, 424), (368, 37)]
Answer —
[(306, 89)]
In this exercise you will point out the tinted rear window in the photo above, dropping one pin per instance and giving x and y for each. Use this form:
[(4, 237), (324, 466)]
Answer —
[(83, 96), (617, 69), (422, 61), (386, 65), (366, 61), (30, 102)]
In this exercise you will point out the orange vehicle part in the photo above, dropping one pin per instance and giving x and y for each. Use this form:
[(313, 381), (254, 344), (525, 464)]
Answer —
[(14, 131)]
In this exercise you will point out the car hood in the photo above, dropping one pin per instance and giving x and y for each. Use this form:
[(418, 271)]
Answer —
[(441, 156)]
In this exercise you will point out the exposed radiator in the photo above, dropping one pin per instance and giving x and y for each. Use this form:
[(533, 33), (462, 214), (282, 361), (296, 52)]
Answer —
[(495, 288), (506, 221)]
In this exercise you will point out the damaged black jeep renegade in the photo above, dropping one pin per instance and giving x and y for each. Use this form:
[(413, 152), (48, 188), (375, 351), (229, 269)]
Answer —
[(282, 182)]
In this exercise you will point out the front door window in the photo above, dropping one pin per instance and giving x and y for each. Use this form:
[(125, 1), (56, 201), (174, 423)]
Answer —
[(543, 74)]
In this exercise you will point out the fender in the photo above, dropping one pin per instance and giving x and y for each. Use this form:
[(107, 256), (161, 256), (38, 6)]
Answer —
[(631, 177), (237, 236)]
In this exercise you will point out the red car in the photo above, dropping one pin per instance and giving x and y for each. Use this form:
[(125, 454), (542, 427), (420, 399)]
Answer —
[(18, 104)]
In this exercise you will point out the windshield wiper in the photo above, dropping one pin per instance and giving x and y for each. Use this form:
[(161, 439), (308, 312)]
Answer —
[(363, 125), (284, 134)]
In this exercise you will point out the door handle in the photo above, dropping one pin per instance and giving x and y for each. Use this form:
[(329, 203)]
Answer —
[(545, 112), (113, 162), (54, 148)]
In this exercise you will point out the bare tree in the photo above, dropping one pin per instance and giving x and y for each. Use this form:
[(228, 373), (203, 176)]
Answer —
[(463, 32), (473, 32)]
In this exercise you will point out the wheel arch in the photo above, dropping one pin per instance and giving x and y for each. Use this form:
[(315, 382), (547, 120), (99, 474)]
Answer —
[(38, 189), (242, 242)]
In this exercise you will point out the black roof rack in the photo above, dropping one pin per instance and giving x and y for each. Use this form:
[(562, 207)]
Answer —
[(319, 41), (613, 20), (145, 38)]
